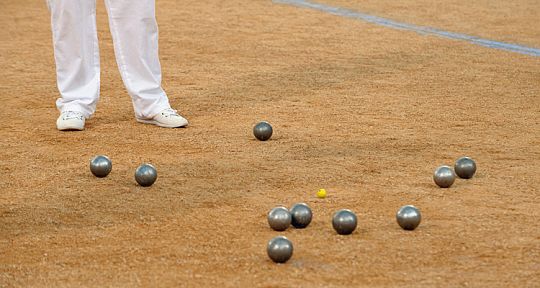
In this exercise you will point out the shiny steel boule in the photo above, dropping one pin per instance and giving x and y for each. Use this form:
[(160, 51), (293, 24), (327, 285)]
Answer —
[(100, 166), (279, 249), (146, 175), (444, 177), (344, 221), (408, 217), (301, 215), (465, 167), (263, 131), (279, 218)]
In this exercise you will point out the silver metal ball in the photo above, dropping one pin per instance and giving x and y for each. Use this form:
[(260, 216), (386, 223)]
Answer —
[(465, 167), (444, 177), (344, 221), (100, 166), (408, 217), (263, 131), (146, 175), (301, 215), (279, 218), (279, 249)]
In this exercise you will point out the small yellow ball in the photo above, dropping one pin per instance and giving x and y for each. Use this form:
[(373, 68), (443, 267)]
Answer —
[(321, 193)]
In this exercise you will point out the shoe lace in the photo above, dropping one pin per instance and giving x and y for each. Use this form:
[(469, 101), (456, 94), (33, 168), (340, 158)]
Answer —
[(72, 115), (169, 112)]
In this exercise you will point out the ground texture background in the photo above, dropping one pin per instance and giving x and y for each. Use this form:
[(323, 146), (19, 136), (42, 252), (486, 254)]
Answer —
[(364, 111)]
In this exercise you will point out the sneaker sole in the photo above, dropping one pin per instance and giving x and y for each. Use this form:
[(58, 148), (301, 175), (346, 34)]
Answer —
[(154, 122), (69, 128)]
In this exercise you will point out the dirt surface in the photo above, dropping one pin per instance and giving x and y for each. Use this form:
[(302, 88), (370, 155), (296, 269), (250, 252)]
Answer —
[(364, 111), (510, 21)]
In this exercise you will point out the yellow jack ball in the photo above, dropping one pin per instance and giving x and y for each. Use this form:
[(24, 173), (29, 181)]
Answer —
[(321, 193)]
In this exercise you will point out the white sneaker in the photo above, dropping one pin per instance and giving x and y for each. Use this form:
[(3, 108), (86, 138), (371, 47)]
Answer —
[(168, 118), (70, 120)]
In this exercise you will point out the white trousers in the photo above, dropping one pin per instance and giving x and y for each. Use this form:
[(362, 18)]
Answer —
[(76, 52)]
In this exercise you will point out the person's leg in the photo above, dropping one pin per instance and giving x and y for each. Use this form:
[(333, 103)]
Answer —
[(76, 55), (135, 35)]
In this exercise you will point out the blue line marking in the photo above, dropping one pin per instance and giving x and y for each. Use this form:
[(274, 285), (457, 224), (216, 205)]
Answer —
[(418, 29)]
